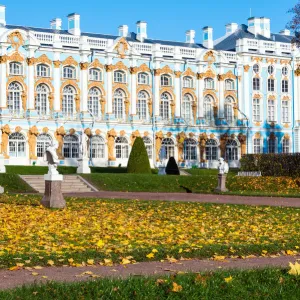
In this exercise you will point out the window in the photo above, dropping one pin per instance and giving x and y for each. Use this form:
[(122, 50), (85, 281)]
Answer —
[(71, 146), (272, 145), (43, 71), (229, 84), (68, 101), (15, 68), (271, 110), (41, 103), (285, 86), (231, 151), (285, 71), (285, 111), (94, 100), (286, 146), (208, 111), (228, 109), (271, 85), (148, 145), (17, 144), (119, 76), (95, 74), (43, 142), (122, 148), (187, 82), (69, 72), (256, 69), (165, 80), (209, 84), (141, 108), (271, 70), (167, 148), (256, 110), (164, 109), (256, 146), (97, 147), (143, 78), (256, 84), (187, 107), (118, 107), (14, 98), (190, 149), (211, 150)]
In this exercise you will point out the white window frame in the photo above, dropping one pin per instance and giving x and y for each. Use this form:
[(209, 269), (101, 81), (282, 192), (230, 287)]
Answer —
[(14, 98), (212, 150), (256, 84), (69, 72), (285, 86), (257, 146), (232, 150), (271, 69), (165, 80), (42, 70), (120, 76), (271, 110), (17, 141), (208, 110), (286, 146), (168, 146), (271, 87), (256, 69), (94, 98), (188, 82), (186, 107), (229, 85), (228, 109), (16, 68), (275, 145), (143, 78), (190, 149), (142, 105), (43, 141), (42, 99), (165, 106), (285, 71), (95, 74), (256, 109), (97, 147), (68, 101), (122, 148), (119, 105), (209, 83), (71, 143), (285, 111), (149, 146)]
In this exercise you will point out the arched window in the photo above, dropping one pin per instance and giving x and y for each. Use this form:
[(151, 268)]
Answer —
[(43, 70), (71, 146), (211, 149), (272, 145), (187, 107), (148, 145), (271, 85), (285, 111), (256, 146), (190, 149), (122, 148), (118, 107), (143, 78), (95, 74), (271, 70), (17, 143), (97, 147), (208, 108), (119, 76), (69, 72), (43, 142), (228, 109), (285, 86), (285, 146), (14, 98), (256, 69), (231, 152), (229, 84), (68, 102), (168, 148), (41, 103), (164, 109), (209, 83), (285, 71), (256, 84), (93, 102), (187, 82), (141, 107), (15, 68), (256, 110), (165, 80), (271, 110)]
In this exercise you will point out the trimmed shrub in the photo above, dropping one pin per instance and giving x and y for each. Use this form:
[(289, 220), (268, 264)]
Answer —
[(272, 164), (172, 167), (138, 162)]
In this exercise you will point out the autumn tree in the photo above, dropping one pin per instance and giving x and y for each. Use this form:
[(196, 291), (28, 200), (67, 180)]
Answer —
[(294, 24)]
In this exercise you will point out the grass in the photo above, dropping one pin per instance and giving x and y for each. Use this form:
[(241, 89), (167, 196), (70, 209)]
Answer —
[(254, 284), (14, 184)]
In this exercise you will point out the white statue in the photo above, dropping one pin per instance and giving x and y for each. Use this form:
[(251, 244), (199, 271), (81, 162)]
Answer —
[(50, 156), (223, 166), (85, 145)]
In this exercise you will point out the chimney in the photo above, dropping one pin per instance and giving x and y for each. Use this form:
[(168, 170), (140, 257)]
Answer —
[(123, 30), (190, 36), (265, 25), (141, 30), (2, 16), (231, 28), (208, 41), (74, 24), (254, 25), (285, 32), (56, 24)]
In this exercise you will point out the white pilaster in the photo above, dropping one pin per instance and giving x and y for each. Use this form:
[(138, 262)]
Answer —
[(239, 82), (30, 82), (133, 90), (200, 95), (177, 94), (156, 94), (246, 93), (3, 76), (56, 81), (84, 86), (296, 98), (109, 100)]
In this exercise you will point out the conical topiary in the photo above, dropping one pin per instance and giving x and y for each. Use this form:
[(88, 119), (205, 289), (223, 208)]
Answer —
[(172, 167), (138, 161)]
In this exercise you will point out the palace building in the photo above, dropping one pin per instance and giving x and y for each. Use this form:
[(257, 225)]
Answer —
[(197, 101)]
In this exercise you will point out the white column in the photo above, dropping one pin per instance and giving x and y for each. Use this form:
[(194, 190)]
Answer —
[(177, 94), (3, 96), (246, 92), (296, 98), (84, 86), (221, 97), (30, 87), (241, 103), (109, 100), (156, 93), (200, 95), (56, 82), (133, 71)]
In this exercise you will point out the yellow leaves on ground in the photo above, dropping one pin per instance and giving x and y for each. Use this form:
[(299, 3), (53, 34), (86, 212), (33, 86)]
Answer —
[(294, 269), (228, 279), (150, 255), (90, 262), (176, 287), (50, 262), (100, 244)]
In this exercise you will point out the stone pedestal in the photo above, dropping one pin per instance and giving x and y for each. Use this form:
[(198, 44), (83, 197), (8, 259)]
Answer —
[(53, 197), (83, 166), (2, 166), (221, 183), (161, 170)]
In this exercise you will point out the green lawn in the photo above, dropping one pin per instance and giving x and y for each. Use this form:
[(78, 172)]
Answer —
[(14, 184), (272, 284)]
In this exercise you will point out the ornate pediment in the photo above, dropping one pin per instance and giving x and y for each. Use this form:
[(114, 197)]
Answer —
[(209, 57), (43, 59), (70, 61), (96, 64), (143, 68), (209, 73), (120, 66), (16, 56), (15, 39), (189, 72), (122, 47)]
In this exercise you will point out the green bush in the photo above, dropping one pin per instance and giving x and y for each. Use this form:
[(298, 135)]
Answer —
[(272, 164), (172, 167), (138, 162)]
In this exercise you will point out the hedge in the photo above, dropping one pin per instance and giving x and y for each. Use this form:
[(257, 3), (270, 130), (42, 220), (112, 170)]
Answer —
[(272, 164), (172, 167)]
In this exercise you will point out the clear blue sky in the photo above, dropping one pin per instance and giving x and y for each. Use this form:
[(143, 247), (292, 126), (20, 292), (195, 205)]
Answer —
[(166, 19)]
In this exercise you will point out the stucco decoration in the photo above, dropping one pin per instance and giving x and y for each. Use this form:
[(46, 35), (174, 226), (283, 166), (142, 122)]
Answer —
[(209, 57), (72, 131), (133, 136), (212, 136), (16, 56), (133, 70), (88, 132), (15, 39), (286, 98), (246, 68), (158, 141), (177, 74), (221, 77), (229, 75), (46, 81), (243, 141), (122, 133), (271, 97), (286, 136), (146, 133), (257, 96), (150, 107), (285, 61), (122, 47), (57, 63), (257, 59), (168, 90), (30, 61), (5, 137), (102, 104), (111, 135), (32, 135), (120, 66), (257, 135), (165, 70), (70, 61), (189, 72), (191, 135), (143, 68), (173, 107), (109, 68), (98, 85), (45, 130), (43, 59), (180, 144), (143, 87), (191, 92), (271, 60), (84, 66), (51, 101), (96, 64), (98, 132), (297, 71), (194, 110), (18, 129), (169, 134), (77, 103), (127, 104), (223, 140), (200, 76), (209, 73), (59, 135), (3, 59), (202, 144), (24, 100), (121, 86)]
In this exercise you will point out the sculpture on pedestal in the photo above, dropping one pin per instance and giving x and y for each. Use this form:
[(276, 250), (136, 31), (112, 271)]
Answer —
[(223, 166), (223, 170), (83, 161), (51, 158)]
